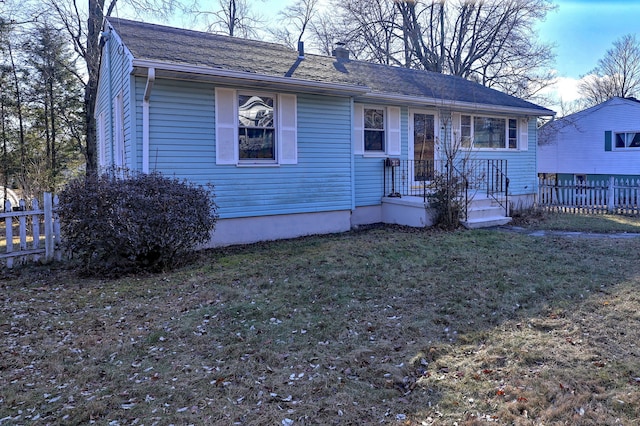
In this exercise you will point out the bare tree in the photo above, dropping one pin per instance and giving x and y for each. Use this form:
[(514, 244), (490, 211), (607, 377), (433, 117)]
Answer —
[(17, 89), (295, 20), (617, 74), (371, 29), (235, 18), (423, 35), (491, 42), (84, 31), (324, 33)]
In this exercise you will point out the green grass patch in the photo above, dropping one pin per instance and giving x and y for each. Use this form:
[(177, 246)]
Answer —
[(381, 326), (604, 223)]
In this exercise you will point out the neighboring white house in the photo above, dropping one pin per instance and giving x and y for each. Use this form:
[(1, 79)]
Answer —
[(593, 144)]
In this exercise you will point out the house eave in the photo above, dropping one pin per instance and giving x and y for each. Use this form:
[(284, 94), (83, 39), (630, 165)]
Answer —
[(244, 79), (419, 101)]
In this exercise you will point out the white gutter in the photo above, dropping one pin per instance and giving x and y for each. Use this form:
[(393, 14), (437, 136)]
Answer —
[(458, 105), (346, 89), (107, 39), (151, 77)]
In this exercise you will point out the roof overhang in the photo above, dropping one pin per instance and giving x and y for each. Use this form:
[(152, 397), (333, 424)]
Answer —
[(459, 106), (227, 77), (243, 79)]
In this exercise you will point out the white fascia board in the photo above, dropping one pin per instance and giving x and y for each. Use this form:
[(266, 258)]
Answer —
[(456, 105), (285, 82), (125, 50)]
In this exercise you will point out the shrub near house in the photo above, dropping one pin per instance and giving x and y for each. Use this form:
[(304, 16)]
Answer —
[(116, 224)]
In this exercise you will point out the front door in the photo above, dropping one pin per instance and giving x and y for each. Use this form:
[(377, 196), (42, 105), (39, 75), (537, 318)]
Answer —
[(423, 141)]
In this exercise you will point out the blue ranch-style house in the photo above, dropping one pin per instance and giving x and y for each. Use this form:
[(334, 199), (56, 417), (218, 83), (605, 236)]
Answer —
[(300, 144)]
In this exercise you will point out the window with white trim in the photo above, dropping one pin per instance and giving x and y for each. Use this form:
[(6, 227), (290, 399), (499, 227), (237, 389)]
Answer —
[(488, 132), (255, 128), (627, 140), (374, 129)]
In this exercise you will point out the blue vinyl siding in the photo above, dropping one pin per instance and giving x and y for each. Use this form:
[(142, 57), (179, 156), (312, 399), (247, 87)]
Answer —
[(114, 79), (181, 128), (369, 176), (521, 165), (182, 144)]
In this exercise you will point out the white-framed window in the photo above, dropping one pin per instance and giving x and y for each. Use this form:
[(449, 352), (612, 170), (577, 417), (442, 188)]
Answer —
[(376, 130), (493, 132), (255, 128), (627, 140)]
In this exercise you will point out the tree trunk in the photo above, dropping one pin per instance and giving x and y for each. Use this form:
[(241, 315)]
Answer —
[(94, 23)]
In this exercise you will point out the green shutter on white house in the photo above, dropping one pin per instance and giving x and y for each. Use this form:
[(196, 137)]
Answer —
[(358, 129), (287, 129), (226, 126), (608, 140), (393, 131), (523, 134)]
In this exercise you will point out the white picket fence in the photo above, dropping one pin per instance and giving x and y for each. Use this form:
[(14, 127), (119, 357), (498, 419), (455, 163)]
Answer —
[(613, 196), (30, 221)]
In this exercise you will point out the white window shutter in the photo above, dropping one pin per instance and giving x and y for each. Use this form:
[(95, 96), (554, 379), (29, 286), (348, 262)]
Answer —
[(358, 129), (523, 134), (393, 131), (102, 143), (120, 153), (456, 128), (226, 126), (287, 129)]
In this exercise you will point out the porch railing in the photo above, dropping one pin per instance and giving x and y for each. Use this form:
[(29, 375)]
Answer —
[(488, 177), (409, 177), (413, 178)]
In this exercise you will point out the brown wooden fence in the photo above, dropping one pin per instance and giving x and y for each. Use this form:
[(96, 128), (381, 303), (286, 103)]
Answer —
[(31, 232), (613, 196)]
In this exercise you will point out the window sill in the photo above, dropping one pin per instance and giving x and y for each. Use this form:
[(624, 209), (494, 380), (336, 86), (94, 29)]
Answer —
[(496, 149), (257, 164), (375, 155)]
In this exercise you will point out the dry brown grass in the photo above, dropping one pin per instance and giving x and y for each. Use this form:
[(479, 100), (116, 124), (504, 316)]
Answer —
[(382, 326)]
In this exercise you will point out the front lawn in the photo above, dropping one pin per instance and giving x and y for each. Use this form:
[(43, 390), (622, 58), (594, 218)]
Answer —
[(379, 326), (596, 223)]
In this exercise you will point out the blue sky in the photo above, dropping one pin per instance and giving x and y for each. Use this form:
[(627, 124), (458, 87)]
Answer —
[(584, 30)]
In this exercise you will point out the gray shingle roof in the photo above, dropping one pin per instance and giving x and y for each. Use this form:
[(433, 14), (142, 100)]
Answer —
[(186, 47)]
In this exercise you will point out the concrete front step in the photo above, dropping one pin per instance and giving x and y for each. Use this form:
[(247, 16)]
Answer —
[(486, 222), (475, 212)]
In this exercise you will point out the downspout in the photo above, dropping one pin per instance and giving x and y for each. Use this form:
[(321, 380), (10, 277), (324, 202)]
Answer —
[(151, 77), (106, 36), (353, 159)]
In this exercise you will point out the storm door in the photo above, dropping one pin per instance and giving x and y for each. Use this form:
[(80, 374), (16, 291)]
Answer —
[(422, 151)]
